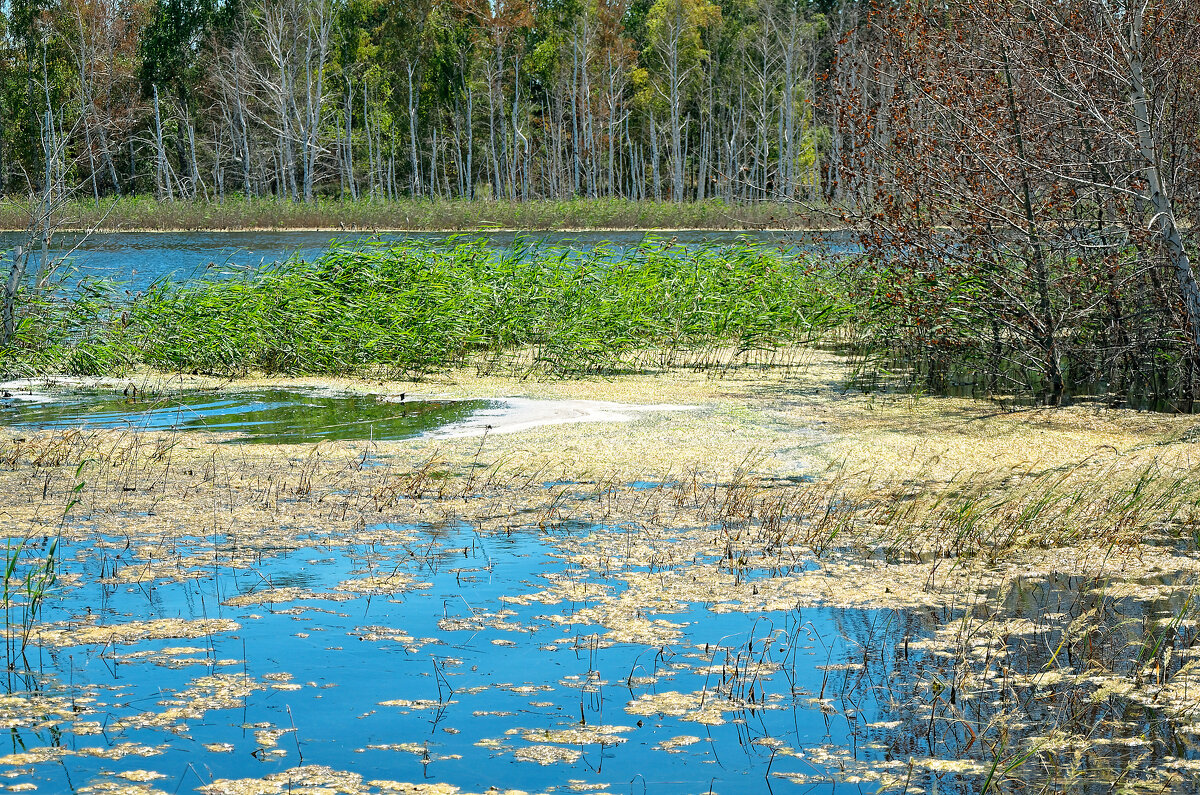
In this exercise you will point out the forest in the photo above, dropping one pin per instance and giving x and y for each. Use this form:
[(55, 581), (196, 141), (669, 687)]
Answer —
[(1020, 175), (672, 100)]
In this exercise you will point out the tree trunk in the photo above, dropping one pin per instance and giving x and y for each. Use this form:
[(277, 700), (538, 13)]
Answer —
[(1164, 211), (161, 176), (12, 287), (413, 99)]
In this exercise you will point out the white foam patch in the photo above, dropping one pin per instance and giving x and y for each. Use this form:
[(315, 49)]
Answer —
[(521, 414), (23, 391)]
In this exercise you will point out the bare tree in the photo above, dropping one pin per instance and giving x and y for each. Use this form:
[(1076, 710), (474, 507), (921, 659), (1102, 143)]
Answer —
[(1018, 153), (674, 28)]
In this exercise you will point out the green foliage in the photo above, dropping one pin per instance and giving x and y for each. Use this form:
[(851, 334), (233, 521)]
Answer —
[(236, 212), (388, 98), (30, 572), (171, 43), (417, 306), (675, 50), (78, 333)]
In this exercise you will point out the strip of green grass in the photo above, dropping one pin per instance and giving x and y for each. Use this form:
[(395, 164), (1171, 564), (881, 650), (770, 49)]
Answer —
[(237, 213), (418, 306)]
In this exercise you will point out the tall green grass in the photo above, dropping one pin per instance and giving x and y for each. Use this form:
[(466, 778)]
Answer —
[(413, 307)]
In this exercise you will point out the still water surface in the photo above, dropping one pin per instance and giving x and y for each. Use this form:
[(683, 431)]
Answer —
[(136, 259), (454, 677), (270, 416)]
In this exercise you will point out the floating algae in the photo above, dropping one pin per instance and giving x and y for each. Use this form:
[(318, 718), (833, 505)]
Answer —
[(88, 633), (547, 754), (484, 617), (677, 743)]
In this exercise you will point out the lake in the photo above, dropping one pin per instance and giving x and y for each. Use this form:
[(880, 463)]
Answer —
[(137, 259), (433, 654)]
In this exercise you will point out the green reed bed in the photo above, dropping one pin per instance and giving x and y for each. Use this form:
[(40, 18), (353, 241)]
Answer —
[(418, 306)]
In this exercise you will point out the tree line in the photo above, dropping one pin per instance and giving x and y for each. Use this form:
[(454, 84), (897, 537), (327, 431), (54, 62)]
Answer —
[(1024, 174), (505, 99)]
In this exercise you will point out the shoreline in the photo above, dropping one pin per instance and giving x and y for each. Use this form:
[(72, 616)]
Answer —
[(747, 412), (146, 214), (440, 231)]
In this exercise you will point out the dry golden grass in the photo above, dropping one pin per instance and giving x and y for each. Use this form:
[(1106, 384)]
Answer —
[(908, 465)]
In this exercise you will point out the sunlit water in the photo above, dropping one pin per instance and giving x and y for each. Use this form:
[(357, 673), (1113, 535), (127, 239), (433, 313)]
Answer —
[(494, 678), (442, 654), (265, 416), (136, 259)]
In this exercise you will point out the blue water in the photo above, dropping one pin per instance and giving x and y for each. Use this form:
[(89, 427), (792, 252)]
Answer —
[(264, 416), (136, 259), (546, 676)]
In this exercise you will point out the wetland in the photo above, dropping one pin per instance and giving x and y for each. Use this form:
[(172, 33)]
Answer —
[(723, 598), (631, 526)]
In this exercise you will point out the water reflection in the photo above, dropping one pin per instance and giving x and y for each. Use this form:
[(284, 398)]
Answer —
[(1062, 681), (267, 416), (434, 654), (444, 673)]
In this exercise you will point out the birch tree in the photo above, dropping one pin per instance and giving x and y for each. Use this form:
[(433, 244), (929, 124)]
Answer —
[(676, 53)]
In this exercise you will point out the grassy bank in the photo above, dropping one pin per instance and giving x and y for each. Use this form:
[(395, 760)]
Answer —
[(237, 213), (416, 307)]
